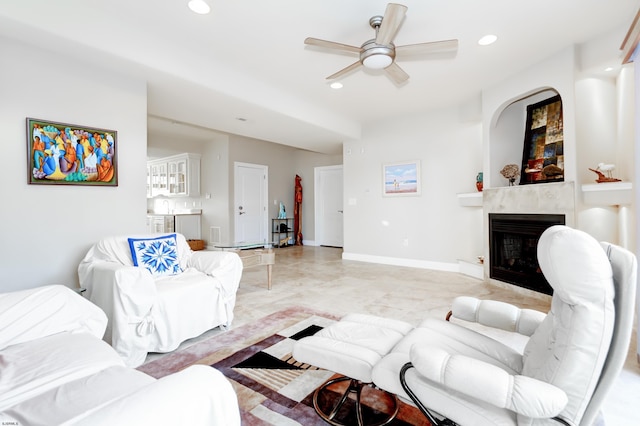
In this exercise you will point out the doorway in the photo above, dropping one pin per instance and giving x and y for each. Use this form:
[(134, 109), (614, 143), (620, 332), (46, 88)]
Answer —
[(250, 202), (329, 206)]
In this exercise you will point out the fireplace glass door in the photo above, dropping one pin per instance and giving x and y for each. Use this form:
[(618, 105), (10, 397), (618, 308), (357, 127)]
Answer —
[(513, 244)]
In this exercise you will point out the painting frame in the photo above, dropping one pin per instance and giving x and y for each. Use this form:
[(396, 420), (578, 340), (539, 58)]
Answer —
[(543, 150), (70, 154), (401, 179)]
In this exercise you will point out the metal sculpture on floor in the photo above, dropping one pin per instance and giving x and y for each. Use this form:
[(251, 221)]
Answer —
[(297, 212)]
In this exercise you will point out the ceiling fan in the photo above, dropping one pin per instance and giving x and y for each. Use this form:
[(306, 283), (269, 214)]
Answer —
[(380, 52)]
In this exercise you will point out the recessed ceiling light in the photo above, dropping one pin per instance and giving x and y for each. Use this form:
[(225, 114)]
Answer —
[(199, 6), (608, 69), (487, 40), (336, 85)]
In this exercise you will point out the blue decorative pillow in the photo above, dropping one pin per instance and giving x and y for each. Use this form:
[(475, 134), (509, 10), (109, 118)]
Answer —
[(159, 255)]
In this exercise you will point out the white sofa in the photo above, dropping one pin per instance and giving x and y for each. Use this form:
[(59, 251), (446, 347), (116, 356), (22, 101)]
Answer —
[(55, 369), (155, 313)]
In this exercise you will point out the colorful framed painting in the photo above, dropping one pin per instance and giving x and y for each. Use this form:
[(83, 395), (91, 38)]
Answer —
[(69, 154), (543, 154), (401, 178)]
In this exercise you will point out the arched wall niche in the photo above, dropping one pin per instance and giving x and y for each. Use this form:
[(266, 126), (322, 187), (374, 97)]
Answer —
[(507, 131)]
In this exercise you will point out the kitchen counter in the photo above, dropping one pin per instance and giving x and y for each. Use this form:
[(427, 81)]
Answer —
[(185, 222), (177, 212)]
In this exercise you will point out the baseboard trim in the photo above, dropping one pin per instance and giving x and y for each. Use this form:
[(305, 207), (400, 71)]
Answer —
[(396, 261)]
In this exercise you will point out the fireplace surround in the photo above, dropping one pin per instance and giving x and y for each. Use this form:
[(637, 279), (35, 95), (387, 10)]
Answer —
[(513, 243)]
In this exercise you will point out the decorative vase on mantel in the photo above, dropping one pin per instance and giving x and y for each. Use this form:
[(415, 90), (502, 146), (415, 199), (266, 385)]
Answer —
[(479, 182)]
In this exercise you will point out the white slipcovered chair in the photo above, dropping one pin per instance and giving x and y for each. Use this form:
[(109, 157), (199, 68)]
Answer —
[(178, 295), (572, 357), (55, 369)]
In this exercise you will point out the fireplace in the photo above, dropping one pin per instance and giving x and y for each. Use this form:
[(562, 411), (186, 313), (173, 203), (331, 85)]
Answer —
[(513, 243)]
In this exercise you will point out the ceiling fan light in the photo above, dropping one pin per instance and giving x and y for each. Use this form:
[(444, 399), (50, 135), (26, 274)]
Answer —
[(199, 6), (377, 62)]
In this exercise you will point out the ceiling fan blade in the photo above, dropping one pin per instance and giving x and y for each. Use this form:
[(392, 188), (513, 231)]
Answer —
[(391, 21), (426, 48), (331, 45), (346, 70), (396, 73)]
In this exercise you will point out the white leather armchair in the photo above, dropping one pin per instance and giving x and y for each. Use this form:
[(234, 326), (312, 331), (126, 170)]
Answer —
[(573, 354), (150, 313)]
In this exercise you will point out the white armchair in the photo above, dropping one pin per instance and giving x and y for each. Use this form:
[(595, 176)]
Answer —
[(573, 354), (155, 313)]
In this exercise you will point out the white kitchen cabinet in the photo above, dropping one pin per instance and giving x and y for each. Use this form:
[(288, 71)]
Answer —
[(177, 176), (185, 224), (158, 224), (159, 178)]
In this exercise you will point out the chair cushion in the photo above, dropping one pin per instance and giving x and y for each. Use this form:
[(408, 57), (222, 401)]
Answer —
[(159, 254), (352, 346)]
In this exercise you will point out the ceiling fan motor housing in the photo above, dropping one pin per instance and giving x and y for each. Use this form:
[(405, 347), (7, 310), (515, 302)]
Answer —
[(377, 56)]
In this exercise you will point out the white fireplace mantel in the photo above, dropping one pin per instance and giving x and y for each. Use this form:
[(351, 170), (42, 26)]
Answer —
[(543, 198)]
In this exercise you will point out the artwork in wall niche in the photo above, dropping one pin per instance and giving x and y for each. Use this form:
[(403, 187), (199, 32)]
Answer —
[(401, 178), (70, 154), (543, 154)]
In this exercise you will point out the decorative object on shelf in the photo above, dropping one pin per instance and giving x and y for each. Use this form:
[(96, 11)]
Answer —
[(297, 211), (282, 214), (511, 172), (606, 168), (602, 178), (479, 183), (401, 178), (69, 154), (282, 232), (543, 150)]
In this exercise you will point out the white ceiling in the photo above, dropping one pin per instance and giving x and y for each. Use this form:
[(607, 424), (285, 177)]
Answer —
[(247, 59)]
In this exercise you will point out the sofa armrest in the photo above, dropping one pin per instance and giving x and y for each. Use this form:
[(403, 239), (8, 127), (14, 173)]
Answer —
[(497, 314), (127, 294), (226, 266), (197, 395), (489, 383), (43, 311)]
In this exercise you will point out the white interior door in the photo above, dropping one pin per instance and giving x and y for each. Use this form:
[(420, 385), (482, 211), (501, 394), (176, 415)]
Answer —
[(250, 202), (329, 209)]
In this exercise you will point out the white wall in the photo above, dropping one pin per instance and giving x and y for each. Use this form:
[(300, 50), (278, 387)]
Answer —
[(48, 229), (284, 163), (439, 231), (556, 73), (452, 150)]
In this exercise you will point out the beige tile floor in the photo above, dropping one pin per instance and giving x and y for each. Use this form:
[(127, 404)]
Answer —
[(318, 278)]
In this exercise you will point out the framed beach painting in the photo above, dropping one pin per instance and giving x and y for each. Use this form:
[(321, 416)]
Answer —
[(70, 154), (402, 178)]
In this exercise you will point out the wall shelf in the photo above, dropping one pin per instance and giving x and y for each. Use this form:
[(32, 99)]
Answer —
[(608, 193), (470, 199)]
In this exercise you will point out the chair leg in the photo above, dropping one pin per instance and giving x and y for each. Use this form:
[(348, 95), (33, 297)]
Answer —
[(355, 387)]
